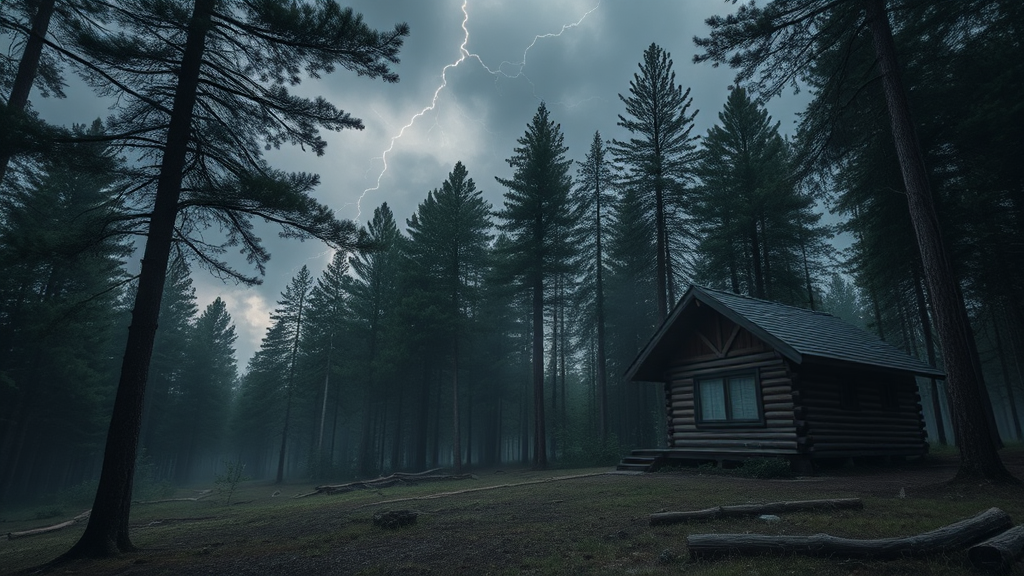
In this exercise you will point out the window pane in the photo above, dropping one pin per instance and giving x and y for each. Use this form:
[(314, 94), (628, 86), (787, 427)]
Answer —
[(712, 400), (743, 398)]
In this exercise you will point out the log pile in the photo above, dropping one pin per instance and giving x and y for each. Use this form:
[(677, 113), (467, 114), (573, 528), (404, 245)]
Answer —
[(661, 518), (37, 531), (402, 478), (956, 536)]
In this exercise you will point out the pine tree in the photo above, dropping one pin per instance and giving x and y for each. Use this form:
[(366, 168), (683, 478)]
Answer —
[(202, 399), (593, 194), (327, 331), (632, 306), (536, 206), (758, 233), (61, 287), (657, 158), (289, 315), (205, 116), (374, 297), (449, 234), (178, 311), (35, 67)]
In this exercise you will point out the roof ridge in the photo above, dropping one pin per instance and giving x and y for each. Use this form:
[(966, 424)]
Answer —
[(744, 296)]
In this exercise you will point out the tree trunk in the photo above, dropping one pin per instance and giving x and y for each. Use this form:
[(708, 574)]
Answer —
[(27, 68), (107, 531), (602, 375), (323, 410), (1006, 380), (456, 430), (540, 454), (291, 383), (755, 260), (807, 274), (553, 368), (929, 346), (660, 232), (975, 434), (396, 442)]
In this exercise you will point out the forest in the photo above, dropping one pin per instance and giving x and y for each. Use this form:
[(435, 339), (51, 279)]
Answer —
[(465, 334)]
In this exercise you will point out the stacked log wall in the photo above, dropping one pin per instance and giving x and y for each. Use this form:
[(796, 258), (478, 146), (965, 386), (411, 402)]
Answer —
[(866, 427), (777, 436)]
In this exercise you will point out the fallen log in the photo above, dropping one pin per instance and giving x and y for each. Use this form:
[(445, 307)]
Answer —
[(410, 478), (55, 527), (482, 489), (202, 494), (1000, 552), (948, 538), (660, 518)]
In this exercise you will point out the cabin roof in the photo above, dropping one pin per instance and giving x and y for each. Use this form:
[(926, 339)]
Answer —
[(796, 333)]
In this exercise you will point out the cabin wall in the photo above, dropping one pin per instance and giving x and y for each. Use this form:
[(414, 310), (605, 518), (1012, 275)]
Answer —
[(775, 436), (847, 412)]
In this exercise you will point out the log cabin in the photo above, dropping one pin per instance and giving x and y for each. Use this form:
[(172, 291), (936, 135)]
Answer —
[(750, 378)]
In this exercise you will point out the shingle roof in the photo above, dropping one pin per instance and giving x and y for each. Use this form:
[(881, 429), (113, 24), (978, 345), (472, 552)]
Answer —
[(797, 333)]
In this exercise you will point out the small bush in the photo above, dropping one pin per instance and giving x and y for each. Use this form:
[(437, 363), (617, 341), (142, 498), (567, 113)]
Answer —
[(581, 447), (759, 468), (764, 468), (228, 481)]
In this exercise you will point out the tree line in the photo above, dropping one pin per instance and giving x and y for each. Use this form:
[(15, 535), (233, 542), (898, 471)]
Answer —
[(479, 334)]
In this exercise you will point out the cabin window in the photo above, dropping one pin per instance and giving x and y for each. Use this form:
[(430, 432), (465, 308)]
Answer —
[(728, 400)]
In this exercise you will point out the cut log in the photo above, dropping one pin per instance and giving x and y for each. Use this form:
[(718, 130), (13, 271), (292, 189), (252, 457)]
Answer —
[(946, 539), (408, 478), (55, 527), (998, 553), (660, 518)]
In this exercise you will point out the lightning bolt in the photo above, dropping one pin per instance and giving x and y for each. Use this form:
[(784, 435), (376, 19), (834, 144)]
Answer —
[(465, 54)]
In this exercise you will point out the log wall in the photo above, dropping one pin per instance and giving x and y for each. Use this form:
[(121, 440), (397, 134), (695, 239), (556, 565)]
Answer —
[(882, 416), (777, 436)]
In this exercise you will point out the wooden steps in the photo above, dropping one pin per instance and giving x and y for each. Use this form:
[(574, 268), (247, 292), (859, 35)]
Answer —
[(639, 462)]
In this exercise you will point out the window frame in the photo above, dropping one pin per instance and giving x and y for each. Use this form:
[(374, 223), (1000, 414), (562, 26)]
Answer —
[(729, 422)]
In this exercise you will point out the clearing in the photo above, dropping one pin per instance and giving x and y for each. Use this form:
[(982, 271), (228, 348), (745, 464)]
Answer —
[(553, 522)]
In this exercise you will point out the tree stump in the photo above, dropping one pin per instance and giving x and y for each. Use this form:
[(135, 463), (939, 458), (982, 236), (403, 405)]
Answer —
[(394, 519)]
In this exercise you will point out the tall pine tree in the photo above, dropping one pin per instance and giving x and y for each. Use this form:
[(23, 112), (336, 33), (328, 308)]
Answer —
[(536, 207), (449, 237), (657, 158)]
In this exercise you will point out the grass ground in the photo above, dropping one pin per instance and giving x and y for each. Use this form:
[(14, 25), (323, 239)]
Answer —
[(590, 523)]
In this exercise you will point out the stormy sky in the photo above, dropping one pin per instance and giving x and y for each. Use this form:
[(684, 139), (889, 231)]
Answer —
[(575, 55)]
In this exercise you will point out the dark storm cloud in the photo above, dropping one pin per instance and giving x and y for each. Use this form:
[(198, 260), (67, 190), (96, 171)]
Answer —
[(478, 115)]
